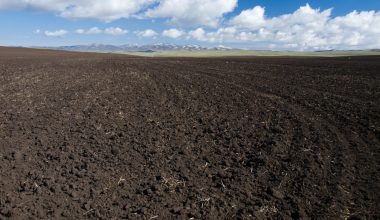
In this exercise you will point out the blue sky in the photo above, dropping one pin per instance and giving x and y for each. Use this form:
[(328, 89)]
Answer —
[(250, 24)]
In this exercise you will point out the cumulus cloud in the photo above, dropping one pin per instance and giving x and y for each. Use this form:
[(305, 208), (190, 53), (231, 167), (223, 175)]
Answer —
[(147, 33), (104, 10), (192, 12), (115, 31), (96, 9), (173, 33), (58, 33), (96, 30), (80, 31), (250, 18), (198, 34), (227, 34), (52, 5), (179, 12), (305, 29)]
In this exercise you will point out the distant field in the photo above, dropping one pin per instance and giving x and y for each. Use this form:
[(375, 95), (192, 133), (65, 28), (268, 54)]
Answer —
[(250, 53)]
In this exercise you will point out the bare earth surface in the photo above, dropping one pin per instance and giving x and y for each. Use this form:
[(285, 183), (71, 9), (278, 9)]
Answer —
[(108, 136)]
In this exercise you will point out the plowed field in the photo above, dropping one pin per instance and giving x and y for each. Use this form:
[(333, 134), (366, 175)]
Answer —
[(109, 136)]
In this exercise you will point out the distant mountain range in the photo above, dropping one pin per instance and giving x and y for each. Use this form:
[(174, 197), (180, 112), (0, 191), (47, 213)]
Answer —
[(150, 48), (139, 48)]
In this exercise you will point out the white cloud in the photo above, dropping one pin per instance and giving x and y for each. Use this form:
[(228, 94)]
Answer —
[(250, 18), (94, 30), (115, 31), (227, 34), (95, 9), (192, 12), (147, 33), (104, 10), (305, 29), (51, 5), (58, 33), (80, 31), (189, 12), (173, 33), (198, 34)]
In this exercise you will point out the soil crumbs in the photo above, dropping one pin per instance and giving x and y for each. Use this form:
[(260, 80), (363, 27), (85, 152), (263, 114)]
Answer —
[(101, 136)]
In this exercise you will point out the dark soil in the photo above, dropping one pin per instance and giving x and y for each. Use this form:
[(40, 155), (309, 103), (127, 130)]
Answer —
[(108, 136)]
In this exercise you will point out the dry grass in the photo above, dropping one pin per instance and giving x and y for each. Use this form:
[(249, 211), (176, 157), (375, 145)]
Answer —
[(171, 183)]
